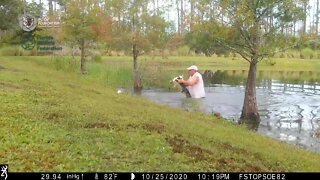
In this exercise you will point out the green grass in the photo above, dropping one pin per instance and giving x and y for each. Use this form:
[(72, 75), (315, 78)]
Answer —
[(61, 121), (222, 63), (157, 72)]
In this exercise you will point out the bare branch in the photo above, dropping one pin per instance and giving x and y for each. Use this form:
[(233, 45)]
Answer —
[(280, 50), (244, 55), (246, 36)]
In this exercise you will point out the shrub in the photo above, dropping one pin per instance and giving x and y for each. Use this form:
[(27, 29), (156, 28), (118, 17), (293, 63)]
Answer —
[(270, 62), (282, 55), (96, 57), (10, 51), (227, 54), (65, 63), (307, 53), (33, 52), (183, 51)]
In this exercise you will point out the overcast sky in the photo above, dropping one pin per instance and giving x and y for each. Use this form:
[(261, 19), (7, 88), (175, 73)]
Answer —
[(171, 15)]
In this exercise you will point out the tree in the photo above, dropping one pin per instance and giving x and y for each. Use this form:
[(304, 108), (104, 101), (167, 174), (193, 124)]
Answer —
[(9, 13), (317, 18), (137, 30), (50, 4), (62, 3), (81, 25), (9, 21), (34, 9), (137, 85), (192, 4), (244, 32)]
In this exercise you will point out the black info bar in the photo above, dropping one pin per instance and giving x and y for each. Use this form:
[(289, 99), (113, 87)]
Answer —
[(160, 175)]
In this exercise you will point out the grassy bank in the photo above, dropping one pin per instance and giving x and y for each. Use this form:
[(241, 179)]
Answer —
[(61, 121)]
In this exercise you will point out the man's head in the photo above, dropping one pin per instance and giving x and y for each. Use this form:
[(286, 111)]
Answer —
[(192, 69)]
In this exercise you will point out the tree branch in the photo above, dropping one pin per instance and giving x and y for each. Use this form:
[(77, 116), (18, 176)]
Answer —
[(280, 50), (244, 55), (246, 36)]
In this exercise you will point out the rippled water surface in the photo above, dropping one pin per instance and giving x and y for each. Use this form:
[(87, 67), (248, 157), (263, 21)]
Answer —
[(289, 112)]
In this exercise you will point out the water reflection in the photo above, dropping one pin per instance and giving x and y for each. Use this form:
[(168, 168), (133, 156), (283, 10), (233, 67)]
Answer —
[(193, 105), (289, 106)]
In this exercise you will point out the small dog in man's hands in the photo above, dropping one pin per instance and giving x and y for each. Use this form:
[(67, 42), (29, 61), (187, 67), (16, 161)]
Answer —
[(184, 89)]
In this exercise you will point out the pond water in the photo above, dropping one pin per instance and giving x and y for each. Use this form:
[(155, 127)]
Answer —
[(289, 103)]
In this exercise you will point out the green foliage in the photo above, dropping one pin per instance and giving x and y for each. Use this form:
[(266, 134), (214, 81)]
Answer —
[(156, 33), (112, 74), (79, 20), (65, 63), (307, 53), (34, 9), (82, 25), (149, 30), (245, 33), (11, 38), (122, 41), (96, 57), (9, 13), (270, 61), (202, 42), (183, 51), (16, 51), (10, 51)]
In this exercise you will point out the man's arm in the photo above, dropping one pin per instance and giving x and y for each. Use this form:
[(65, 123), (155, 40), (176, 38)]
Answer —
[(189, 82)]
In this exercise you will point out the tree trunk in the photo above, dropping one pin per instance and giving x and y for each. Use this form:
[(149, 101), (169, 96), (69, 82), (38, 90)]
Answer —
[(212, 10), (158, 10), (222, 15), (50, 7), (83, 58), (55, 6), (182, 17), (250, 115), (191, 14), (178, 13), (317, 18), (305, 6), (294, 29), (136, 76)]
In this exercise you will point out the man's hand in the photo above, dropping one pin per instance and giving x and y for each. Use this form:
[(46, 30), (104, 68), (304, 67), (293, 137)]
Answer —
[(189, 82), (181, 81)]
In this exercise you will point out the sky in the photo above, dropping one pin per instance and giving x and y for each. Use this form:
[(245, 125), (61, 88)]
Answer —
[(171, 15)]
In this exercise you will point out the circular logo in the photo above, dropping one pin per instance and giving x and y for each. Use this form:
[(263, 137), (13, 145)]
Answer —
[(28, 22), (28, 42)]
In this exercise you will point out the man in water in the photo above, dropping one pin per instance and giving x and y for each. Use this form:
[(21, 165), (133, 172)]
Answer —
[(194, 83)]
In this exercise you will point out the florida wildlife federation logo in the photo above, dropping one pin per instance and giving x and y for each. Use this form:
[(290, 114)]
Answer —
[(28, 42), (28, 22)]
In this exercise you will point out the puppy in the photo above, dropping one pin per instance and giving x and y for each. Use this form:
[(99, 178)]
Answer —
[(184, 89)]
